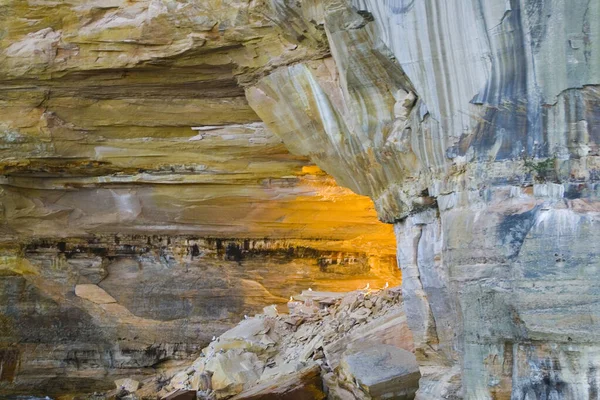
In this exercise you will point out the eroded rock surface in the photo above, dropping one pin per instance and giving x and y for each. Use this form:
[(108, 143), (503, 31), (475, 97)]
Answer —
[(78, 315), (382, 371), (297, 355), (144, 206), (473, 126)]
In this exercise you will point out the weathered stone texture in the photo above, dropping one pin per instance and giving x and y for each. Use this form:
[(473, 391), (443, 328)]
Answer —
[(473, 126), (382, 371), (78, 315), (129, 239), (329, 345)]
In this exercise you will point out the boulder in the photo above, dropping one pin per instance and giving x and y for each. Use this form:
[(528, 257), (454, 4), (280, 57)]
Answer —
[(200, 381), (127, 384), (382, 371), (270, 311), (234, 371), (252, 334), (389, 329), (180, 380)]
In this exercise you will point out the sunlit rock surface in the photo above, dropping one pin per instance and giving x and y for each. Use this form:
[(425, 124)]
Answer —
[(473, 126), (144, 206)]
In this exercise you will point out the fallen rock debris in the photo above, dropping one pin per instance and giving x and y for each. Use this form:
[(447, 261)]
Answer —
[(330, 345)]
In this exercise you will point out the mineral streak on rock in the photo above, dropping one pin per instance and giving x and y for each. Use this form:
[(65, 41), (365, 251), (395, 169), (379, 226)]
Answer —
[(472, 125), (474, 128)]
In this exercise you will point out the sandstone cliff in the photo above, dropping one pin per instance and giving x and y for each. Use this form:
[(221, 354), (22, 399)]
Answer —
[(145, 207), (472, 125)]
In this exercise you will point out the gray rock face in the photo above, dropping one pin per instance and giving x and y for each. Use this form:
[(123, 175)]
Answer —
[(502, 61), (473, 125), (383, 371), (510, 253)]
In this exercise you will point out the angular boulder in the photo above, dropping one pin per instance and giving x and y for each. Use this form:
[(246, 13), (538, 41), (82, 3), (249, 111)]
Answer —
[(390, 329), (234, 371), (127, 384), (382, 371)]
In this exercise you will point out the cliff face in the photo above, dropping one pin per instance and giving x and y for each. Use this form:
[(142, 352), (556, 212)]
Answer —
[(129, 239), (80, 313), (472, 125)]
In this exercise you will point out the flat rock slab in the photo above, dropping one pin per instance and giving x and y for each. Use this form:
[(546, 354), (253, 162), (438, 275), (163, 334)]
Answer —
[(302, 385), (383, 371), (232, 369), (391, 329), (94, 293)]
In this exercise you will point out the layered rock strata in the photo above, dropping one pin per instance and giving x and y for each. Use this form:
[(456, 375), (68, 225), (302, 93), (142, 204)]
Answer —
[(473, 126), (145, 207), (77, 315)]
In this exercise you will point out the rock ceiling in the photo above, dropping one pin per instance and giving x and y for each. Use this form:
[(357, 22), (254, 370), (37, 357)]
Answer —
[(134, 158), (98, 101), (131, 162)]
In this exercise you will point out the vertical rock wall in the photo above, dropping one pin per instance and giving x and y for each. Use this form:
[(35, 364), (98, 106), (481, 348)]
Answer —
[(474, 127)]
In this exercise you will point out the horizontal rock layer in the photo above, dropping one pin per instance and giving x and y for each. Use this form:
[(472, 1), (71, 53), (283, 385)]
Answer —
[(144, 206), (78, 314), (473, 127)]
